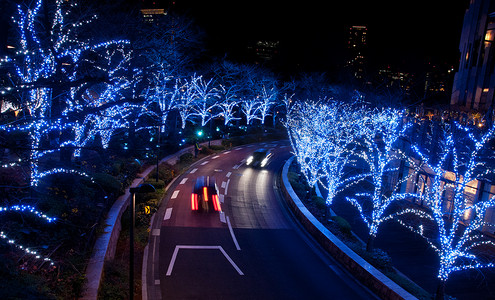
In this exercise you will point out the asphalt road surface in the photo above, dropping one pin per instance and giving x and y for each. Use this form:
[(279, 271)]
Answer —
[(253, 249)]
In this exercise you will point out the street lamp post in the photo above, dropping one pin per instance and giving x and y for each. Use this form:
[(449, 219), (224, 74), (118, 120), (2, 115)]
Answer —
[(142, 188), (158, 152)]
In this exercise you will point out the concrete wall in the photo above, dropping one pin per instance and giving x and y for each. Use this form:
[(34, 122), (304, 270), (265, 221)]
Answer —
[(377, 282)]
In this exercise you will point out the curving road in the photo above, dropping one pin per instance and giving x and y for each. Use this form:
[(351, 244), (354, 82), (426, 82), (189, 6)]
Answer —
[(253, 249)]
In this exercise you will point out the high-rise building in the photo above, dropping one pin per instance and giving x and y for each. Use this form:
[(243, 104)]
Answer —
[(264, 50), (152, 15), (356, 47), (474, 82)]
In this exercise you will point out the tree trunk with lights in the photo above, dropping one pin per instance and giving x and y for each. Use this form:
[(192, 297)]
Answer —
[(440, 294)]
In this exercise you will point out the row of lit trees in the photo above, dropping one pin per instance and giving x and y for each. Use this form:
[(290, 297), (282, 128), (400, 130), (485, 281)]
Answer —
[(338, 145), (199, 100), (76, 90), (70, 90)]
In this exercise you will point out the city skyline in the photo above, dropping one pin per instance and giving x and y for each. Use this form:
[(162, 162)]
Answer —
[(314, 36)]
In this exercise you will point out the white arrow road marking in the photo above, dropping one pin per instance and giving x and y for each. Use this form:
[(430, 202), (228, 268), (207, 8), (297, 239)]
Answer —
[(178, 247)]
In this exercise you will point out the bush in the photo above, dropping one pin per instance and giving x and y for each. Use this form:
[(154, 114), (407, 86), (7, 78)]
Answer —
[(381, 259), (377, 257), (108, 183), (186, 158), (206, 151), (166, 173), (116, 168), (115, 283), (217, 147), (319, 202), (158, 185), (342, 223), (293, 177)]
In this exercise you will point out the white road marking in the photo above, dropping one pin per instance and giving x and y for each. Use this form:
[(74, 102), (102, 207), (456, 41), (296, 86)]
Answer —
[(153, 258), (175, 194), (215, 157), (232, 234), (228, 174), (223, 184), (236, 166), (157, 281), (183, 181), (221, 198), (227, 187), (168, 213), (156, 232), (178, 247), (222, 217), (226, 152), (205, 162), (193, 170)]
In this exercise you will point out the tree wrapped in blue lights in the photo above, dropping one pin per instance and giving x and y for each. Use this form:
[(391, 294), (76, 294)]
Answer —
[(323, 137), (206, 100), (383, 158), (58, 72), (456, 163), (186, 99)]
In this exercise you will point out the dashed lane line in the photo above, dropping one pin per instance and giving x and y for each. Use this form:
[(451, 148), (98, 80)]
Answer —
[(227, 187), (175, 194), (168, 213), (183, 181)]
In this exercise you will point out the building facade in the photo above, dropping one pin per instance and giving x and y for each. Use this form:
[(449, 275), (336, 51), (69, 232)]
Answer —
[(356, 47), (474, 82)]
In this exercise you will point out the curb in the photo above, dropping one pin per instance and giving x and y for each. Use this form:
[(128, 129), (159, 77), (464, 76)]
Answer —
[(376, 281)]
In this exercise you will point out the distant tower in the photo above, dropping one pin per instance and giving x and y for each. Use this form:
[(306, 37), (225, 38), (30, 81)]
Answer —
[(356, 47), (265, 50), (152, 15), (474, 82)]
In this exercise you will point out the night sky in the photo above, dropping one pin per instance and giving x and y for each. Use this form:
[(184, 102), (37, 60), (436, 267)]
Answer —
[(312, 34), (406, 34)]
